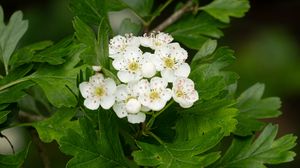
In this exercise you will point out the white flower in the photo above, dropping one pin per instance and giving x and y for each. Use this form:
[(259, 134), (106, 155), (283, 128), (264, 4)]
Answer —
[(184, 93), (96, 68), (127, 104), (156, 40), (129, 65), (170, 60), (148, 68), (119, 44), (154, 94), (133, 65), (98, 91)]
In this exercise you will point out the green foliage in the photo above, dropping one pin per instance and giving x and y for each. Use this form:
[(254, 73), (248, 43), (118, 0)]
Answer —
[(51, 129), (194, 31), (180, 153), (246, 153), (10, 35), (252, 107), (43, 78), (223, 9), (91, 148)]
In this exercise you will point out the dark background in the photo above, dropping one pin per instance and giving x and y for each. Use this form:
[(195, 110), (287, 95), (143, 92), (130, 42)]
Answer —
[(266, 41)]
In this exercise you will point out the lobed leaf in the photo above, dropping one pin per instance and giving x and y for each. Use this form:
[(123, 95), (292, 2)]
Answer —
[(244, 152), (252, 107), (224, 9)]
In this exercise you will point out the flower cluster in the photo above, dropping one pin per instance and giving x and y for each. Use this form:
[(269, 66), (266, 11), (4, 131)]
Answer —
[(152, 70)]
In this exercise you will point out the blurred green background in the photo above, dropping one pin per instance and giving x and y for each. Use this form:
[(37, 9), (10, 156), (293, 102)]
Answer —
[(266, 41)]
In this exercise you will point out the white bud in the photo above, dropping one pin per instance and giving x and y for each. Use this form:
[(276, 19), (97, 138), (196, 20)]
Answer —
[(96, 68), (133, 106), (148, 70)]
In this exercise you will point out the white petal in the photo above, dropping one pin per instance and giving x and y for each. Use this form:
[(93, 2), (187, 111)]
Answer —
[(186, 104), (133, 106), (148, 70), (146, 41), (158, 83), (144, 99), (120, 110), (133, 53), (107, 101), (110, 85), (125, 76), (164, 37), (96, 68), (136, 118), (157, 61), (183, 70), (119, 63), (168, 75), (92, 104), (157, 105), (166, 94), (143, 86), (121, 92), (85, 89), (96, 79)]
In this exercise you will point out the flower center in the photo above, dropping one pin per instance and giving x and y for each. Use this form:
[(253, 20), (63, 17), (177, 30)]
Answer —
[(133, 66), (179, 93), (154, 95), (100, 91), (169, 62)]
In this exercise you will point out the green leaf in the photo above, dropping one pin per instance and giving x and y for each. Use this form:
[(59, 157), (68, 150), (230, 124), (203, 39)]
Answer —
[(10, 35), (85, 35), (206, 49), (252, 107), (27, 54), (92, 148), (3, 116), (141, 7), (187, 154), (205, 116), (129, 27), (102, 44), (194, 31), (59, 82), (90, 11), (223, 9), (57, 125), (96, 50), (246, 153), (14, 161)]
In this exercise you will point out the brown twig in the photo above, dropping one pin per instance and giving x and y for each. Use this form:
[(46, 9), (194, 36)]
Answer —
[(11, 145), (41, 148), (175, 16), (30, 117)]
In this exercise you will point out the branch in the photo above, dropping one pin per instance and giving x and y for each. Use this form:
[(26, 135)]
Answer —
[(30, 117), (175, 16), (41, 148)]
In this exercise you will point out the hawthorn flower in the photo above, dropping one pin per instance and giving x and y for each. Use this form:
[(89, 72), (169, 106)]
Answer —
[(96, 68), (170, 60), (154, 94), (98, 92), (127, 104), (156, 40), (133, 66), (119, 44), (184, 93)]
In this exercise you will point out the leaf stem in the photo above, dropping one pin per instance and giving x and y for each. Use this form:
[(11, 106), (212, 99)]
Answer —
[(175, 16), (155, 137), (17, 125), (152, 119), (14, 83)]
